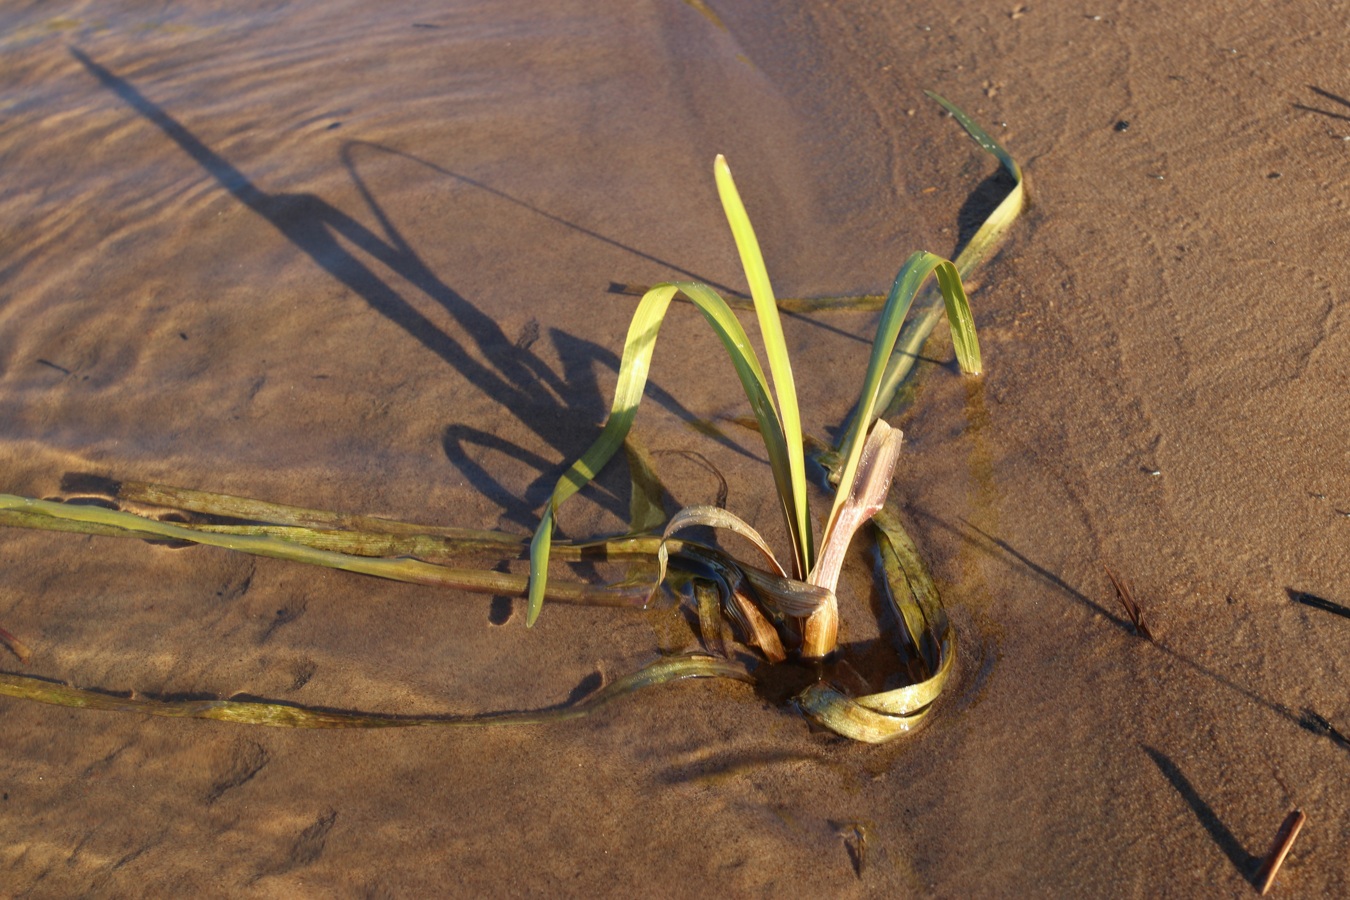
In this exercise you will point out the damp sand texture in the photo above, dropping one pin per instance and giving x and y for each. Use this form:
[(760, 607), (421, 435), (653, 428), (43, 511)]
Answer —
[(329, 258)]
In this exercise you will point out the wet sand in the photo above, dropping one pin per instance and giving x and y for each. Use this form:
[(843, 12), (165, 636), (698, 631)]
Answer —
[(352, 259)]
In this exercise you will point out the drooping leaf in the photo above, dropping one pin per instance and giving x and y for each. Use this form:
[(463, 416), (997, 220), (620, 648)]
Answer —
[(716, 517), (779, 593), (874, 718), (927, 308), (907, 283), (964, 340), (633, 369), (910, 589)]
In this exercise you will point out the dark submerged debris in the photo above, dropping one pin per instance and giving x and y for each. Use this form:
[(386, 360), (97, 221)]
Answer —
[(1317, 724), (1317, 602), (856, 835), (1132, 608)]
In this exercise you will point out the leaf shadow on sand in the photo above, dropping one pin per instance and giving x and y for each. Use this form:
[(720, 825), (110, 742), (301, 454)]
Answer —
[(1246, 863), (1000, 549), (1323, 112), (979, 205), (513, 376)]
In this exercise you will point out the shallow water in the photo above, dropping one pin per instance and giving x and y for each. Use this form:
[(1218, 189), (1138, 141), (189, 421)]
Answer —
[(353, 260)]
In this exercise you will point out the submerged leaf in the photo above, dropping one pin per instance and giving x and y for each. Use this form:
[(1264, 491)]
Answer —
[(781, 594), (835, 710), (709, 617), (877, 718), (910, 589), (247, 509), (740, 606), (284, 715), (759, 630), (47, 515)]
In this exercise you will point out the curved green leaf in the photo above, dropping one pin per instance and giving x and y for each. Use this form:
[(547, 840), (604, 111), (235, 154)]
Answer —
[(907, 283), (927, 309), (633, 369)]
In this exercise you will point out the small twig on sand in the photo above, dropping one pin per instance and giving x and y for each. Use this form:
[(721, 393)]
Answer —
[(16, 646), (855, 835), (1132, 609), (1284, 839)]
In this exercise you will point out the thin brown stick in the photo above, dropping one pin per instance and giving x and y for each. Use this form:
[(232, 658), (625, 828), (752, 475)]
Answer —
[(1132, 608), (16, 646), (1284, 840)]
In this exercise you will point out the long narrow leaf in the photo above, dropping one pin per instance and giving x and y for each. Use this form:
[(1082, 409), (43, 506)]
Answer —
[(987, 236), (960, 320), (46, 515), (250, 510), (829, 707), (775, 347), (715, 517), (907, 700), (911, 590)]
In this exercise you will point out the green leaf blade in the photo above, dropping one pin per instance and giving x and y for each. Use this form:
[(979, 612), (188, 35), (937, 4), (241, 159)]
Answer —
[(775, 348), (962, 323)]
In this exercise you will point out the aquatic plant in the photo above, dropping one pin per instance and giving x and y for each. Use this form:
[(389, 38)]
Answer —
[(776, 607)]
